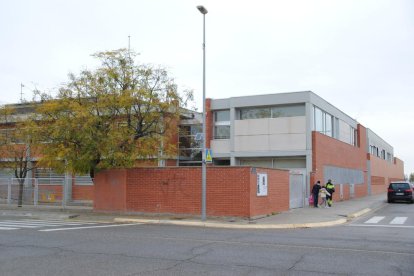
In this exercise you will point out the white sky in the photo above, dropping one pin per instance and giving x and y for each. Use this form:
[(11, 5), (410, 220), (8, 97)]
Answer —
[(356, 54)]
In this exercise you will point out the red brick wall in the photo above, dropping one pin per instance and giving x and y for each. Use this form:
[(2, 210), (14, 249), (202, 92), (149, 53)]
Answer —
[(82, 192), (383, 172), (378, 185), (327, 151), (278, 193), (110, 190), (231, 191)]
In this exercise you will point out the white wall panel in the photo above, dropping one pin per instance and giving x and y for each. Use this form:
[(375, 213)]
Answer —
[(252, 127), (287, 142), (251, 143), (270, 134), (287, 125), (220, 146)]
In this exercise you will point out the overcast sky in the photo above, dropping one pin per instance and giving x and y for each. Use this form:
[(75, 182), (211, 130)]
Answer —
[(358, 55)]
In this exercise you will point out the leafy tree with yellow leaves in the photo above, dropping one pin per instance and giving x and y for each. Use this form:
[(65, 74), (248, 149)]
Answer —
[(110, 117), (16, 146)]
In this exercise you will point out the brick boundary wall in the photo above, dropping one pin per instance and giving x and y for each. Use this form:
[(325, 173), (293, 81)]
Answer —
[(82, 192), (231, 191)]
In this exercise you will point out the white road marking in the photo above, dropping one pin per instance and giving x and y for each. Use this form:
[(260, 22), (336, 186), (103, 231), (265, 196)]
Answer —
[(87, 227), (41, 223), (58, 221), (18, 225), (399, 220), (374, 220), (8, 228), (381, 225), (28, 223)]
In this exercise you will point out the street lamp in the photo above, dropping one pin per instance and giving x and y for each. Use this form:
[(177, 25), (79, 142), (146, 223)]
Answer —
[(203, 164)]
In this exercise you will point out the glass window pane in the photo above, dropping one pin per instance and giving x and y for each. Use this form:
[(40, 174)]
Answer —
[(222, 132), (328, 125), (318, 120), (196, 129), (189, 142), (254, 113), (222, 116), (288, 111), (190, 154)]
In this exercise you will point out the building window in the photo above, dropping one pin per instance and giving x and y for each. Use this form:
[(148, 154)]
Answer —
[(221, 132), (222, 124), (318, 120), (190, 147), (353, 138), (255, 113), (222, 116), (323, 122), (328, 125), (374, 150), (278, 111), (288, 110)]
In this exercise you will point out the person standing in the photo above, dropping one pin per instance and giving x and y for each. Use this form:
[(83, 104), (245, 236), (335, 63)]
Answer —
[(323, 194), (331, 189), (315, 193)]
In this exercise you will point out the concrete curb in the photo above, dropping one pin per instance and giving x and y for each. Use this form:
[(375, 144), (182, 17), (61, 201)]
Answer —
[(359, 213), (365, 211), (233, 226)]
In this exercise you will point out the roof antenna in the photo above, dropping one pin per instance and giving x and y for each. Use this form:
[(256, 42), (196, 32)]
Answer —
[(129, 46), (21, 92)]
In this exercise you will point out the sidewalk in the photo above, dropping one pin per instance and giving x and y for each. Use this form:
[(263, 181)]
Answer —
[(306, 217)]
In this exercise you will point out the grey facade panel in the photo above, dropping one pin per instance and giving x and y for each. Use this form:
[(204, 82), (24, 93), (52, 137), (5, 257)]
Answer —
[(343, 175), (282, 98), (261, 100), (268, 153)]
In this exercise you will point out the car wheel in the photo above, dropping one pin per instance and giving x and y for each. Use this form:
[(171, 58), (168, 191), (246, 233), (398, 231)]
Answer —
[(389, 200)]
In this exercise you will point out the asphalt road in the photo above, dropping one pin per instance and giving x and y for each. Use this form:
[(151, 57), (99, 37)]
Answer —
[(357, 248)]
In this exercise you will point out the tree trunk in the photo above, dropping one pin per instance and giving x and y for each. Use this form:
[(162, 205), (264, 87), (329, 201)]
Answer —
[(20, 199)]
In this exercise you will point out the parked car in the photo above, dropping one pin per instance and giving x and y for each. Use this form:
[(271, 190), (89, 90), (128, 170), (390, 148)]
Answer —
[(400, 191)]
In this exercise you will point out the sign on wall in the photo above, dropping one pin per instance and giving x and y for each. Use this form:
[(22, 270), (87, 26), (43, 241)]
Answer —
[(262, 184), (209, 157)]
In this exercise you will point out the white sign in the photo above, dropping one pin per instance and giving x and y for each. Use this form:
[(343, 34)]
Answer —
[(262, 184)]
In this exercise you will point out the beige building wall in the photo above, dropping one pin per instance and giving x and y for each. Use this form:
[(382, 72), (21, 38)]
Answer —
[(269, 134), (220, 146)]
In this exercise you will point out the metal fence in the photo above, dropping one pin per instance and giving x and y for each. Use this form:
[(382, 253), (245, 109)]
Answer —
[(36, 191)]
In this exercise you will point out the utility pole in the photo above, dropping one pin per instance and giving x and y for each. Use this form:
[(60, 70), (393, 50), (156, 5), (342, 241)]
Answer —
[(204, 11)]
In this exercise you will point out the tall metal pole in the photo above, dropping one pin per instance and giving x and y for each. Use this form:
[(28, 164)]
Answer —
[(203, 165)]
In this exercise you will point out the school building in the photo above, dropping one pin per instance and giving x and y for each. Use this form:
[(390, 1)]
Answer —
[(305, 134), (267, 151)]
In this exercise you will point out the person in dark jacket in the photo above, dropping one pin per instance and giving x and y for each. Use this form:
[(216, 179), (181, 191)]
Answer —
[(315, 193), (331, 189)]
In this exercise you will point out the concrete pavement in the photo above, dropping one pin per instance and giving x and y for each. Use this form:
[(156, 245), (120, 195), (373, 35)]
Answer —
[(307, 217)]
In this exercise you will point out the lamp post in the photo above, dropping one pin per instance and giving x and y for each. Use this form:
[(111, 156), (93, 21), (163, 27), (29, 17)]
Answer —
[(203, 164)]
